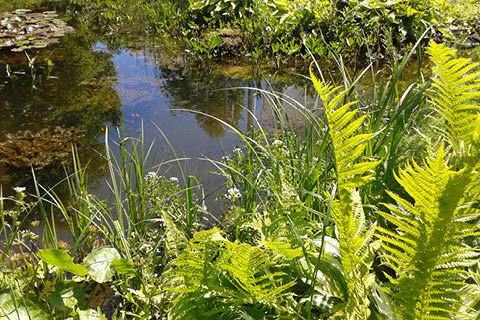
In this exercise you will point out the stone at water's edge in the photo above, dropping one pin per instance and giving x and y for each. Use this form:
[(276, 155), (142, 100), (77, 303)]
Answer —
[(23, 29)]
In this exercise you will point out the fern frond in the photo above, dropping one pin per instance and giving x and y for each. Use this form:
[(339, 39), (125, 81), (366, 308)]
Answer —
[(176, 241), (215, 278), (347, 212), (452, 92), (249, 267), (427, 251)]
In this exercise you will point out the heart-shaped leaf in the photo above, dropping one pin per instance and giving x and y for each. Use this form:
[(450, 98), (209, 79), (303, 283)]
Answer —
[(99, 263)]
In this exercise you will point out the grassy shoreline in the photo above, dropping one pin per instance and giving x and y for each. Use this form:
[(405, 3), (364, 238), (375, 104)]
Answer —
[(370, 213)]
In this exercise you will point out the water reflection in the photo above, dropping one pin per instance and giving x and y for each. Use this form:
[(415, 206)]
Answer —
[(67, 85), (205, 93), (98, 79)]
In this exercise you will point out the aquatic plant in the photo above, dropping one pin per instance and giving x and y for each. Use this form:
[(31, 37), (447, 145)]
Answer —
[(302, 237), (47, 147), (279, 30), (23, 29)]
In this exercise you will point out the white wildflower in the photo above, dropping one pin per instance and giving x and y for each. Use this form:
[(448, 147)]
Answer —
[(277, 143), (147, 247), (233, 193), (19, 189), (174, 179), (237, 150), (151, 176)]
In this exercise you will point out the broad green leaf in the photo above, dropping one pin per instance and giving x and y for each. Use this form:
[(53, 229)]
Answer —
[(14, 307), (62, 260), (67, 294), (99, 263), (124, 266)]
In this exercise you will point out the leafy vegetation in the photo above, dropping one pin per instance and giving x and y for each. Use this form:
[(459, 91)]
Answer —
[(313, 227), (280, 30), (45, 148), (23, 30)]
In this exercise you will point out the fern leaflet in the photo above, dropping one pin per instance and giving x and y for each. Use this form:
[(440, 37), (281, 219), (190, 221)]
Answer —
[(426, 252), (452, 92), (213, 277), (347, 212)]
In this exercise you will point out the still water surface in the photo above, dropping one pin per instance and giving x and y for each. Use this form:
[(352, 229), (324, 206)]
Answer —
[(96, 82)]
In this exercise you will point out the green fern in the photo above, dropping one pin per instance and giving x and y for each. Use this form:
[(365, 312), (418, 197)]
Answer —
[(347, 212), (248, 267), (427, 252), (452, 92), (213, 277), (175, 240)]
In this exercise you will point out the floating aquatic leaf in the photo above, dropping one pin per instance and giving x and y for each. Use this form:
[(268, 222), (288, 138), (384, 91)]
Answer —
[(21, 11), (40, 45), (39, 150), (19, 49), (37, 28)]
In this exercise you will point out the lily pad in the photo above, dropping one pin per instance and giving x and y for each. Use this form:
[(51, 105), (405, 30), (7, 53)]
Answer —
[(40, 45), (48, 147), (21, 11), (38, 28), (19, 49)]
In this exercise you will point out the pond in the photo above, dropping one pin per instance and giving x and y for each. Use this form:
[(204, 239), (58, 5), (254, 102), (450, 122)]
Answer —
[(95, 79)]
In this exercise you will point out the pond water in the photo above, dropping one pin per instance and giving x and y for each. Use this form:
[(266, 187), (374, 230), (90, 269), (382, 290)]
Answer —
[(95, 79), (101, 77)]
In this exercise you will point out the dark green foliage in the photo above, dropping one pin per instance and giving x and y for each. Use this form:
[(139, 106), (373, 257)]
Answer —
[(279, 30), (215, 277)]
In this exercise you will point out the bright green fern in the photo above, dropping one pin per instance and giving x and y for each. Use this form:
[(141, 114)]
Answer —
[(427, 251), (453, 90), (347, 212), (215, 278)]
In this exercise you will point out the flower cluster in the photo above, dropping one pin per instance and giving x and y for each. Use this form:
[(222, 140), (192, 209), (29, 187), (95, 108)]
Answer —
[(233, 193)]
